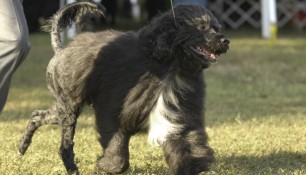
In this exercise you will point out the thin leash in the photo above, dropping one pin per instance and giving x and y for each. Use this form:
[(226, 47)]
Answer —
[(172, 8)]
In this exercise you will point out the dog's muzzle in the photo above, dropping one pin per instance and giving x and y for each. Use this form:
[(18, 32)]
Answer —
[(209, 53)]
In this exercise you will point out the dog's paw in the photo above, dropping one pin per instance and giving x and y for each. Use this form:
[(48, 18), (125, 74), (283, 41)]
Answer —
[(23, 146), (73, 172), (113, 164)]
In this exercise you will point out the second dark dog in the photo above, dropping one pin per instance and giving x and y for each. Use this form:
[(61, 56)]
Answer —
[(150, 80)]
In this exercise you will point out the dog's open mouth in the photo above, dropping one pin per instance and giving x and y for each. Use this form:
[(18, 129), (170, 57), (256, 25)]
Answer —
[(204, 54)]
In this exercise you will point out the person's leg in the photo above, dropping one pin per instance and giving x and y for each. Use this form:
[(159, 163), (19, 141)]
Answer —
[(14, 45)]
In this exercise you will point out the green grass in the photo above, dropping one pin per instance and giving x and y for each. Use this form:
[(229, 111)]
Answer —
[(255, 114)]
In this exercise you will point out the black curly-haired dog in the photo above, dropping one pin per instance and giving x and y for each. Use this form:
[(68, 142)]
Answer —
[(151, 80)]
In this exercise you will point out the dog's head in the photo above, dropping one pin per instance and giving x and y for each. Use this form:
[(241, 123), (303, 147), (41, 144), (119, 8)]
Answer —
[(191, 39)]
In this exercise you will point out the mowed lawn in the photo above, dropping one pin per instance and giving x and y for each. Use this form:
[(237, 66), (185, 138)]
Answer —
[(255, 114)]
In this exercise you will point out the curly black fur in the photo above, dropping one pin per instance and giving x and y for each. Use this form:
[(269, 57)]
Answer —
[(151, 80)]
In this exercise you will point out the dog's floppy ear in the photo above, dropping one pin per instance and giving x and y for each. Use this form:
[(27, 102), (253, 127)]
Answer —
[(158, 37)]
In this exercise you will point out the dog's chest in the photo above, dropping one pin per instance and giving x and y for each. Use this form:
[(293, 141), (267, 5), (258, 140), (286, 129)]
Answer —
[(167, 110), (157, 105), (160, 127)]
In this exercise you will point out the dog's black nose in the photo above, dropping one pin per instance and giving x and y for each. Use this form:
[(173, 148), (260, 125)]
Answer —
[(225, 41)]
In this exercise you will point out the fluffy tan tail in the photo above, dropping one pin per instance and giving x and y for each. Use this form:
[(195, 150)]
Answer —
[(72, 13)]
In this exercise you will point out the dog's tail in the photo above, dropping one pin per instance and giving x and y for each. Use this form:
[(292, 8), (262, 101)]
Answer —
[(72, 13)]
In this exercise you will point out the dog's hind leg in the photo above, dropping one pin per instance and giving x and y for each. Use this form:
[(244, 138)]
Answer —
[(54, 116), (39, 118), (68, 123)]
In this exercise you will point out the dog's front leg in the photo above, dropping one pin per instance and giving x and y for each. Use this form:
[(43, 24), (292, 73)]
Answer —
[(116, 152), (188, 153)]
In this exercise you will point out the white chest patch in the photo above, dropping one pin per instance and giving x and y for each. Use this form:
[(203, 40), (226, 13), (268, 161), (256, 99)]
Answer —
[(159, 126)]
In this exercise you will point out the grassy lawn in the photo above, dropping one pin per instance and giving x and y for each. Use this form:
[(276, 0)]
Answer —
[(255, 114)]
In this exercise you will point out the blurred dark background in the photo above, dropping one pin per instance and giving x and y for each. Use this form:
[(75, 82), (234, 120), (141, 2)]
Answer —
[(131, 14), (37, 10)]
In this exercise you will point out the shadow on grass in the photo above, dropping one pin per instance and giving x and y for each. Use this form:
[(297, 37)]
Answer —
[(275, 163), (148, 170)]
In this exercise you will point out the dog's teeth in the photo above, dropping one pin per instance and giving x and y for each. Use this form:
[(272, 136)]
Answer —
[(213, 56)]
